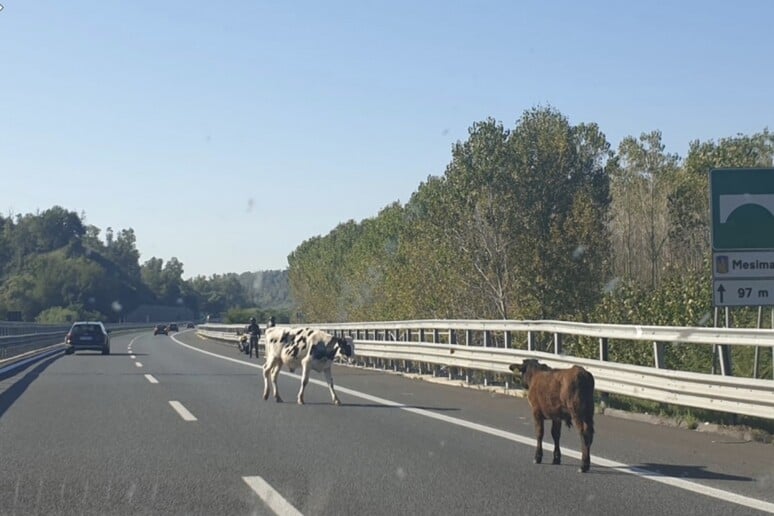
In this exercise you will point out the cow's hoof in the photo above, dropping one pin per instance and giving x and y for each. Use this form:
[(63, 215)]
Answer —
[(336, 402), (556, 461), (265, 397), (279, 400), (300, 402), (584, 468), (538, 460)]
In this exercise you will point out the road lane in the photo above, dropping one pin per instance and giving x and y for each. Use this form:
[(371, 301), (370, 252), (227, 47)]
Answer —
[(89, 434), (463, 402)]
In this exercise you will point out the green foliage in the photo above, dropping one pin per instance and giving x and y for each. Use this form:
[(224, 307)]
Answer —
[(516, 227), (60, 315), (53, 266)]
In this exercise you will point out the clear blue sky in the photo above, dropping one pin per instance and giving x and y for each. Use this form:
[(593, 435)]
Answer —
[(227, 133)]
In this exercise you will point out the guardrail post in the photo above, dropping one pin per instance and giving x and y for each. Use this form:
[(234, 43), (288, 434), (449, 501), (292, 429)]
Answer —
[(557, 343), (659, 352), (452, 336), (508, 340), (436, 336), (724, 352), (603, 357), (421, 335), (487, 338), (468, 339), (603, 349), (530, 341)]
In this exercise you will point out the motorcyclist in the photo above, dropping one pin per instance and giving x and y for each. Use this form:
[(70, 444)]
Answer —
[(254, 331)]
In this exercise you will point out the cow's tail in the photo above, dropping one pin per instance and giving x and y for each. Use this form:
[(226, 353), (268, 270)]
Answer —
[(586, 403)]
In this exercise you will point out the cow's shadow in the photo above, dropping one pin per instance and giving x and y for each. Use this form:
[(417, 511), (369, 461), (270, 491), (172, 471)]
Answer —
[(682, 471), (685, 471)]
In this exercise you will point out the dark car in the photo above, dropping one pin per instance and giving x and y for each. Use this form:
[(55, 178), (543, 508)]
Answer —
[(172, 327), (160, 329), (190, 325), (87, 335)]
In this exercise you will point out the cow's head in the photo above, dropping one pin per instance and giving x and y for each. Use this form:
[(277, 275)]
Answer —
[(346, 347), (526, 369)]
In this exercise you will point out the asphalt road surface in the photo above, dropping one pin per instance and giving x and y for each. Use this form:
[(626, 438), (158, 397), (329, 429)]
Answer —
[(176, 425)]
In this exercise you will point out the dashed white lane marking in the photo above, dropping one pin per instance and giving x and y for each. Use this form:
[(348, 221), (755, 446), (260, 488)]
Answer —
[(133, 356), (182, 411), (271, 497), (138, 364), (151, 379), (679, 483)]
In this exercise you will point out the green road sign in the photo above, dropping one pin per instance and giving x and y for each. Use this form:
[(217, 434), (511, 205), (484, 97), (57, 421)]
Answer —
[(742, 209)]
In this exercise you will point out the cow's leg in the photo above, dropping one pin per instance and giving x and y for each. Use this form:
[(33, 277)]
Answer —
[(329, 379), (556, 433), (266, 380), (539, 435), (586, 429), (274, 375), (304, 380)]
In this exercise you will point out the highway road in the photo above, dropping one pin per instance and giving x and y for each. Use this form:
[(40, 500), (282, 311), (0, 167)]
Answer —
[(176, 425)]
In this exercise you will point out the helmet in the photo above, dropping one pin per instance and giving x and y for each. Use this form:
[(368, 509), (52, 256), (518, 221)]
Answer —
[(252, 319)]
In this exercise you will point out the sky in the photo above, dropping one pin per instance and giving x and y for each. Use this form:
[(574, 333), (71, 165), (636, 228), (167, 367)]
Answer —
[(227, 133)]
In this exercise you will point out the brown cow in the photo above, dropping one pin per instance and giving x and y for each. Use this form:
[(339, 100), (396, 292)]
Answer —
[(559, 395)]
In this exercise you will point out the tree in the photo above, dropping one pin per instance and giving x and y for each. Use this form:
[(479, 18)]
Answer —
[(640, 221), (561, 183), (123, 251)]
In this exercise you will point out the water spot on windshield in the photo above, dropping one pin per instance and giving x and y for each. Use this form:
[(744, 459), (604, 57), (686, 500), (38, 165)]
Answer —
[(611, 285), (705, 319), (400, 473), (250, 204), (579, 251), (116, 306)]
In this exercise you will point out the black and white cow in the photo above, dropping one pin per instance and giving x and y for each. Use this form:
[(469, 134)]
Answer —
[(306, 348)]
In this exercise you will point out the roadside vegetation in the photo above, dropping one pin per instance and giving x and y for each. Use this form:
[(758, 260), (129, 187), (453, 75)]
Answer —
[(544, 220), (54, 267)]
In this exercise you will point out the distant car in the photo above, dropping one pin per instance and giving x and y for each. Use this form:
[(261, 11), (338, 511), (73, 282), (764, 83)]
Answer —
[(172, 327), (190, 325), (87, 335), (160, 329)]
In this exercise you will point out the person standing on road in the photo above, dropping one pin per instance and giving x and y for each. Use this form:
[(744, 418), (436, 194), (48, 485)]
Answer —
[(272, 322), (254, 331)]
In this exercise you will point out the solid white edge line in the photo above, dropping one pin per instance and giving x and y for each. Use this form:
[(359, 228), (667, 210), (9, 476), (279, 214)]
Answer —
[(687, 485), (151, 378), (182, 411), (271, 497)]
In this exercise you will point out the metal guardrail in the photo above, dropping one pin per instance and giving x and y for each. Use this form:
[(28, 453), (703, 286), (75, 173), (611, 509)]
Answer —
[(22, 328), (388, 343)]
